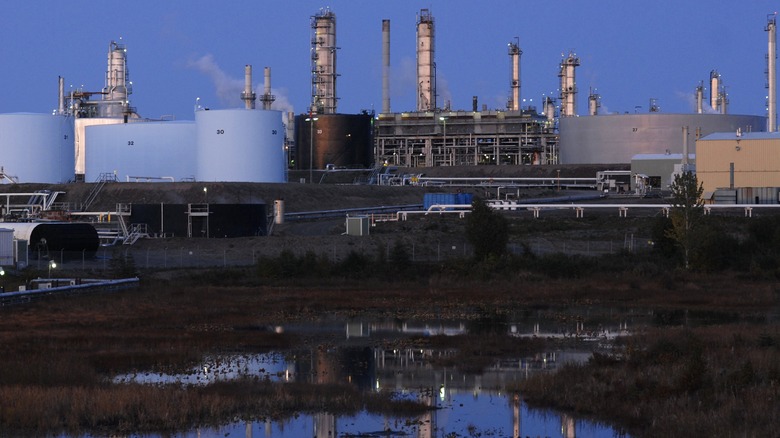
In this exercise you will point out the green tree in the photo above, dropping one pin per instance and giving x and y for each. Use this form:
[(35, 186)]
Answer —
[(486, 230), (686, 214)]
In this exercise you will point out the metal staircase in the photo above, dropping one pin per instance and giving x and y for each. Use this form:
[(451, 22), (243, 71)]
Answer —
[(100, 182)]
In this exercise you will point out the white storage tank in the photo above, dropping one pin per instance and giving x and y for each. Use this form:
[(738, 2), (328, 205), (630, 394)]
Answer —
[(36, 148), (240, 145), (142, 151)]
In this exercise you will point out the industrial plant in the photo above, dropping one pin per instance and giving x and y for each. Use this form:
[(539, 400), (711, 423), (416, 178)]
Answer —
[(99, 136)]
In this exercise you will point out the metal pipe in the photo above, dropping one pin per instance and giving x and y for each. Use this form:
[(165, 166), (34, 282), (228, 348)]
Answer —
[(385, 66), (685, 149), (771, 28)]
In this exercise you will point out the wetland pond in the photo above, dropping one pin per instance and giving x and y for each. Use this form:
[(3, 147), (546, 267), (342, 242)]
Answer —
[(373, 356)]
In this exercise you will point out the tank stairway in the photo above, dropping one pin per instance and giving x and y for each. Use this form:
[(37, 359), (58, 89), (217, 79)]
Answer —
[(101, 181)]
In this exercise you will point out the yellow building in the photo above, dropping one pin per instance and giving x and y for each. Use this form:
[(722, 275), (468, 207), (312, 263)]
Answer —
[(744, 164)]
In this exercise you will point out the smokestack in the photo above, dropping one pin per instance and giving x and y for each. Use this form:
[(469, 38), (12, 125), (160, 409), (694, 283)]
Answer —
[(569, 85), (771, 27), (426, 79), (61, 96), (514, 54), (267, 98), (474, 104), (385, 66), (685, 149), (700, 98), (248, 96)]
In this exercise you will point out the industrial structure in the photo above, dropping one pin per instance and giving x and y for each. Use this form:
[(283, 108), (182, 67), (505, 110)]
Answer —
[(742, 166), (435, 135), (323, 63)]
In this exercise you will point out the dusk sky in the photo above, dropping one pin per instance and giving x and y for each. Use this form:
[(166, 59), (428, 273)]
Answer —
[(179, 50)]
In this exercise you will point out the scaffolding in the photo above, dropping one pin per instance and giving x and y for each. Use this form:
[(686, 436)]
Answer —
[(461, 138)]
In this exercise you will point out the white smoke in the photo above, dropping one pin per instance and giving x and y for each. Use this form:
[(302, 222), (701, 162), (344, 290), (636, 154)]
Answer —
[(690, 100), (282, 102), (229, 88)]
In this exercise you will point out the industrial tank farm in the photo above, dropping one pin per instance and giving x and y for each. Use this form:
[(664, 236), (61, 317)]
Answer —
[(608, 139), (240, 145), (36, 148)]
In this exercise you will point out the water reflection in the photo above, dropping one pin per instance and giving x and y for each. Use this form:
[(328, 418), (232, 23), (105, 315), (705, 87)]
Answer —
[(467, 403)]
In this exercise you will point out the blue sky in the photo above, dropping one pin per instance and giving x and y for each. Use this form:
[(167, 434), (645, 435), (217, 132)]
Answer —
[(179, 50)]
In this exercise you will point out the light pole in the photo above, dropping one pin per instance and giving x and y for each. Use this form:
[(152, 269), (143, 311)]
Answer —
[(444, 132), (311, 121), (52, 264)]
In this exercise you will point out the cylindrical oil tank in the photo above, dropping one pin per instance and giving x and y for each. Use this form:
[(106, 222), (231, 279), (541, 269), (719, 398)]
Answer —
[(240, 145), (36, 148), (142, 151), (615, 138), (343, 140)]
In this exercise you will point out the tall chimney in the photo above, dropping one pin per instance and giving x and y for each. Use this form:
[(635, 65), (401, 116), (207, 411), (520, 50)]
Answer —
[(771, 27), (514, 54), (267, 98), (385, 66), (426, 77), (685, 149), (248, 96), (61, 96), (700, 98)]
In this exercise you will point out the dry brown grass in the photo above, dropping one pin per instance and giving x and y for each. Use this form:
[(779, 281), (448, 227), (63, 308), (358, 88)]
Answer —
[(56, 354)]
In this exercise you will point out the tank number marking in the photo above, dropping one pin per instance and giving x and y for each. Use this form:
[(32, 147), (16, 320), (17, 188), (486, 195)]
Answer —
[(273, 132), (66, 136), (220, 131), (635, 129), (130, 143), (319, 131)]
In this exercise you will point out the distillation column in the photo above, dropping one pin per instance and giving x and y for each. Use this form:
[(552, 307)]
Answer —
[(248, 96), (426, 76), (117, 90), (594, 103), (385, 66), (714, 90), (514, 55), (569, 85), (771, 57), (323, 63)]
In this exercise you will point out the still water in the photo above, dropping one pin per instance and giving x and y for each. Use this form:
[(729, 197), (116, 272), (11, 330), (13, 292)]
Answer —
[(467, 404)]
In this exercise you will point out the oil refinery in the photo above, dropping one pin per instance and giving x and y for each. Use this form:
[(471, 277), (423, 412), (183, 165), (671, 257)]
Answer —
[(95, 134)]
